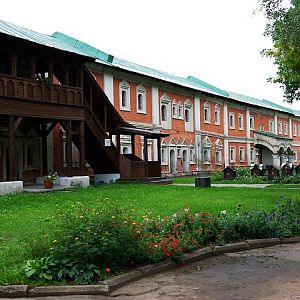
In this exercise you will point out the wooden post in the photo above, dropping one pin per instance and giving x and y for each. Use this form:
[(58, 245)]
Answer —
[(133, 144), (105, 118), (158, 150), (118, 143), (145, 149), (69, 148), (44, 149), (82, 148), (11, 149)]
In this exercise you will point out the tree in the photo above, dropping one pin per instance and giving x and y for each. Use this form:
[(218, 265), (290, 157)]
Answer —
[(283, 26)]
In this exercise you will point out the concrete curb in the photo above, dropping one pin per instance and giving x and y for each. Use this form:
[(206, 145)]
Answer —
[(109, 285)]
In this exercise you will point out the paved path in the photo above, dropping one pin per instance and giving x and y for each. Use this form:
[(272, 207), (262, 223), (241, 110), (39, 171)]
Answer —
[(269, 273), (257, 186)]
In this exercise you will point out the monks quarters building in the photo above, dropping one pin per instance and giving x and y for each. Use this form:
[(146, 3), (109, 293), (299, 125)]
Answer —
[(66, 106)]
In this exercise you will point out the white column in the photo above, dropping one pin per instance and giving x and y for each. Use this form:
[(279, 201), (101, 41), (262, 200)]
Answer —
[(109, 87), (290, 128), (198, 151), (226, 153), (249, 153), (276, 123), (225, 119), (248, 123), (197, 114), (155, 106), (154, 143)]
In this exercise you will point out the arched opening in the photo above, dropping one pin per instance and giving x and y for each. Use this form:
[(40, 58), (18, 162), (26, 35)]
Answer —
[(5, 63), (125, 150), (73, 76), (164, 113), (187, 115), (185, 161), (172, 162), (124, 98), (23, 67), (140, 102), (264, 156), (58, 74), (41, 70)]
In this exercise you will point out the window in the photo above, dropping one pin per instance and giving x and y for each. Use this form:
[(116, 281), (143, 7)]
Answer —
[(164, 158), (242, 154), (252, 155), (206, 112), (231, 120), (299, 130), (285, 128), (232, 154), (125, 96), (241, 122), (141, 99), (219, 146), (271, 126), (165, 112), (125, 150), (251, 122), (206, 156), (192, 154), (174, 109), (279, 127), (188, 115), (217, 114), (180, 110), (294, 129)]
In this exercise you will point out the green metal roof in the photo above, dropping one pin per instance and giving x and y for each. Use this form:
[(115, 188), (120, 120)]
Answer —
[(38, 38)]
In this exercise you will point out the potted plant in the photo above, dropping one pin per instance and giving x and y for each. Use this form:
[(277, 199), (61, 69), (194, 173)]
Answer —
[(49, 180)]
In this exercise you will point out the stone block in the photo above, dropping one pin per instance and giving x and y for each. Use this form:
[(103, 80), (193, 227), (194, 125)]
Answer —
[(82, 181), (107, 178), (13, 291), (11, 187), (241, 246), (198, 255), (156, 268), (263, 243)]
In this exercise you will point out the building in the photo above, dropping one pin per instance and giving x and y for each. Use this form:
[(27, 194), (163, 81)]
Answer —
[(69, 107)]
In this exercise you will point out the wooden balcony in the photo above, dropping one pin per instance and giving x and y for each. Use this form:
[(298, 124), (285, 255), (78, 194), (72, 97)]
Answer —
[(39, 90)]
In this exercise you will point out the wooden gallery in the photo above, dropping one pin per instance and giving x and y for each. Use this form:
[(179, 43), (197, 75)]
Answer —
[(70, 108)]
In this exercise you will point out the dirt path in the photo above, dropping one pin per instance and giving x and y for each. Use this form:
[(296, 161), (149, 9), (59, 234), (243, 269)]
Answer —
[(268, 273)]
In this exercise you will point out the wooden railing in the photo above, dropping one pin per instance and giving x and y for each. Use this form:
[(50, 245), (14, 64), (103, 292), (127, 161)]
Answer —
[(39, 90), (132, 169)]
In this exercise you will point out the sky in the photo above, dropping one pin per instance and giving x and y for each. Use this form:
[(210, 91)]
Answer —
[(216, 41)]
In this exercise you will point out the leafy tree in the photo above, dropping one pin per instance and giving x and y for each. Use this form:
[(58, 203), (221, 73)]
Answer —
[(283, 26)]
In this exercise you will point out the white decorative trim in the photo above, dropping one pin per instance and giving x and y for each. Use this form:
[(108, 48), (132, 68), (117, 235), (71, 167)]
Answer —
[(140, 90), (197, 113), (225, 119), (108, 81), (124, 86), (155, 107)]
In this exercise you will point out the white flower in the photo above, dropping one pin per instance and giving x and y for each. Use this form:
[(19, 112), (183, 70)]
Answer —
[(223, 212)]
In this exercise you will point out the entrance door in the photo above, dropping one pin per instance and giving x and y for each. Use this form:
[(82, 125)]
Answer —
[(172, 162)]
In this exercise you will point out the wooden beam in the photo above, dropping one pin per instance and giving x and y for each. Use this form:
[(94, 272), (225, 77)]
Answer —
[(145, 148), (158, 150), (11, 149), (44, 149), (50, 128), (17, 123), (69, 148), (105, 118), (82, 148), (133, 144)]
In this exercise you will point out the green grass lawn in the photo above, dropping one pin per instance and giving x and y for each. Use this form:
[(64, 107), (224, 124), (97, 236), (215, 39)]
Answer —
[(28, 217)]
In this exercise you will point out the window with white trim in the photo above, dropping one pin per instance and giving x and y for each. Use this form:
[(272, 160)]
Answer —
[(164, 155), (294, 129), (174, 109), (285, 128), (124, 96), (232, 154), (188, 115), (165, 112), (252, 155), (217, 114), (242, 154), (206, 112), (192, 154), (141, 99), (280, 127), (232, 120), (251, 122), (241, 122), (271, 126), (219, 147), (206, 143), (298, 129), (180, 110)]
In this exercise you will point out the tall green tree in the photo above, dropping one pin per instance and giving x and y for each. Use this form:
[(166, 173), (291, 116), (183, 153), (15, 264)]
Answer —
[(283, 26)]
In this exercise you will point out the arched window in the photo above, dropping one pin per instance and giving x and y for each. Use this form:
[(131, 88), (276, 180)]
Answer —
[(174, 109), (125, 150), (5, 64), (206, 155), (23, 67), (187, 115), (180, 110), (141, 99), (164, 113), (125, 96), (206, 112)]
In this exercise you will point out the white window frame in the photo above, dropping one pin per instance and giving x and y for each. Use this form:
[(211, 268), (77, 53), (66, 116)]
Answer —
[(217, 114), (174, 109), (206, 147), (271, 126), (298, 129), (188, 107), (279, 127), (206, 111), (285, 128), (294, 129), (241, 121), (164, 155), (242, 154), (252, 155), (232, 154), (124, 86), (219, 147), (165, 100), (251, 122), (180, 110), (232, 117), (140, 90)]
